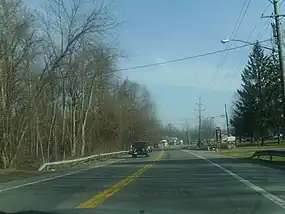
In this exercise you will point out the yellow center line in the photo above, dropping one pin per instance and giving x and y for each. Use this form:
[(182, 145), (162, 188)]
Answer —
[(102, 196)]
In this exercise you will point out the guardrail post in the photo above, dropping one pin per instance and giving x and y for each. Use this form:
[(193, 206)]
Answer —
[(270, 157), (100, 157)]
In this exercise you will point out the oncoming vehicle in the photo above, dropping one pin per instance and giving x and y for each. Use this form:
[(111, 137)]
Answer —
[(140, 148)]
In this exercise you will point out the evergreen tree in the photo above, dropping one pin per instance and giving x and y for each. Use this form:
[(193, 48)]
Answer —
[(249, 117)]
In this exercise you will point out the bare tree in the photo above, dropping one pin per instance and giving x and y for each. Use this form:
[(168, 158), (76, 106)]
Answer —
[(18, 44), (73, 28), (59, 94)]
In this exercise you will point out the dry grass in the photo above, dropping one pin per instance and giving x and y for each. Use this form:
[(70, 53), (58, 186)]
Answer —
[(247, 152)]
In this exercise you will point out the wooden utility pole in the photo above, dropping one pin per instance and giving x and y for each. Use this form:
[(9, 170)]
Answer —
[(279, 40), (200, 120), (187, 132), (227, 120)]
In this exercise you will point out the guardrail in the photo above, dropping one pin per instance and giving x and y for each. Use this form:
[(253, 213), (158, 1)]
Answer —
[(78, 160), (269, 153)]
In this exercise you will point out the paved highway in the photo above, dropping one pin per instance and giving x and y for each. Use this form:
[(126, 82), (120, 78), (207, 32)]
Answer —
[(167, 182)]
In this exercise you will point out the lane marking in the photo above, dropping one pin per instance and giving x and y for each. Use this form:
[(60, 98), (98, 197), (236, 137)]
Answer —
[(252, 186), (102, 196), (55, 177)]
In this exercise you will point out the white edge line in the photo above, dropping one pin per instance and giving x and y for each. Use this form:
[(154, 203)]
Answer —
[(252, 186), (57, 176)]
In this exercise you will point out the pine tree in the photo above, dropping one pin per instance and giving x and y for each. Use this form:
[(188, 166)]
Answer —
[(249, 110)]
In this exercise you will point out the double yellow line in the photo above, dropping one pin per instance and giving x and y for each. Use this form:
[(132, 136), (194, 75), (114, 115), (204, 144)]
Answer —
[(102, 196)]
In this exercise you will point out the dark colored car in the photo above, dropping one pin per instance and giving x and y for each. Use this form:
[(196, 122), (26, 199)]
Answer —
[(140, 148)]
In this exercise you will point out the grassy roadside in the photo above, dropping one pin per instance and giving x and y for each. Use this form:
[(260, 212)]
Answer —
[(247, 152)]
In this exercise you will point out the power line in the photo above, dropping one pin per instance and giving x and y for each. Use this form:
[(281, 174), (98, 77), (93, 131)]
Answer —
[(182, 120), (233, 35), (180, 59), (266, 8), (241, 66), (242, 62), (175, 60), (241, 20)]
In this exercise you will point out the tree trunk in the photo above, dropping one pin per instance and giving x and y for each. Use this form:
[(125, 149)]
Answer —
[(84, 122), (62, 147), (73, 129), (51, 130)]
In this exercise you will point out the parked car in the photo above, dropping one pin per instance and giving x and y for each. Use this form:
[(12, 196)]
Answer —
[(140, 148)]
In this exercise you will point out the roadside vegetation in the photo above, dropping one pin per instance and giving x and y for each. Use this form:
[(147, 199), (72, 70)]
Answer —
[(256, 116), (257, 109), (60, 95)]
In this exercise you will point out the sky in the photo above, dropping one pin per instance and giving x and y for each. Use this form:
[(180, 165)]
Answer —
[(154, 31)]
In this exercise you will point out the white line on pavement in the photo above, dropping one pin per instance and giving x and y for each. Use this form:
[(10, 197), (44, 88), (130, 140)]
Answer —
[(57, 176), (258, 189)]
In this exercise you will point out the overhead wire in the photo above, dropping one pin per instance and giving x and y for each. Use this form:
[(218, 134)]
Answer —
[(179, 59), (238, 24), (242, 62), (267, 8), (194, 118), (172, 61)]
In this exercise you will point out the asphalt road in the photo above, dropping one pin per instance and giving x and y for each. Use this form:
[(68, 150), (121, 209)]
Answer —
[(166, 182)]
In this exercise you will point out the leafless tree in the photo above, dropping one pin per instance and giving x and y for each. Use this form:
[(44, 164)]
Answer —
[(60, 97)]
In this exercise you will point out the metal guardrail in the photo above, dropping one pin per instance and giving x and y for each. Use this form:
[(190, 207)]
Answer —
[(270, 153), (88, 158)]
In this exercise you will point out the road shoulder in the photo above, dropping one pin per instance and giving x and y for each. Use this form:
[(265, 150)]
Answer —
[(39, 177), (266, 181)]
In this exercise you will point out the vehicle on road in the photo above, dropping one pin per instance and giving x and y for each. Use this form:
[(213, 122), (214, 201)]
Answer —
[(140, 148)]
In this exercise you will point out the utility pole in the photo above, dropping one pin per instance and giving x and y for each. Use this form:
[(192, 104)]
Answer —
[(200, 120), (169, 130), (279, 39), (227, 120), (187, 132)]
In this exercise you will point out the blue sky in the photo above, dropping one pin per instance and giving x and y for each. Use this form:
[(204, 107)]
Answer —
[(161, 30)]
